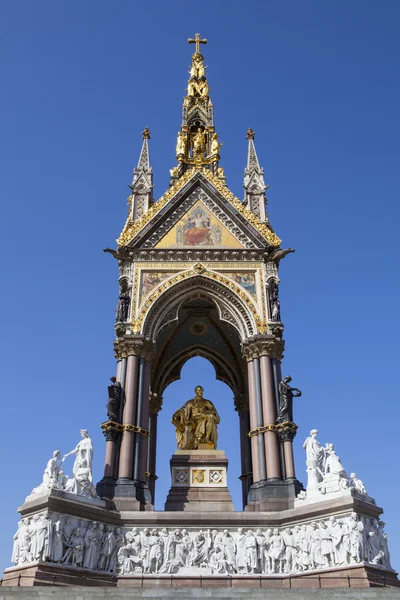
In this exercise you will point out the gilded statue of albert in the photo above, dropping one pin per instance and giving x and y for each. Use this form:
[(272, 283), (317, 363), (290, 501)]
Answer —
[(196, 423)]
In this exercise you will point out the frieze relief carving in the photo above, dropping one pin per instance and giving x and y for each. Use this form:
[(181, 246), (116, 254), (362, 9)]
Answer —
[(349, 539)]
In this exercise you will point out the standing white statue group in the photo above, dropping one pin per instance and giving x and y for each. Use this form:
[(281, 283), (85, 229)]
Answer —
[(326, 473), (320, 544), (82, 481)]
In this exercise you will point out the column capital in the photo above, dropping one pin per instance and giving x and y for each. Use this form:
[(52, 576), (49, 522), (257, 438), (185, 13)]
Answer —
[(263, 345), (287, 431), (111, 430), (155, 403), (134, 346), (241, 403)]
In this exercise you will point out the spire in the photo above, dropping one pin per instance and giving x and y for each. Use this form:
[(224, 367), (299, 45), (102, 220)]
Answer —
[(254, 184), (144, 162), (197, 143), (142, 182)]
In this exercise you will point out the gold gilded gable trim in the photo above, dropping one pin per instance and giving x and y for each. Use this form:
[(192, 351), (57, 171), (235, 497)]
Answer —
[(271, 237), (131, 229)]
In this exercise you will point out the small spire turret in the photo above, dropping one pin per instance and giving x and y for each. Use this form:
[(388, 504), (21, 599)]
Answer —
[(142, 182), (254, 184)]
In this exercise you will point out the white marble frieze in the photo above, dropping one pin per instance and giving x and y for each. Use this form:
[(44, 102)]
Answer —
[(326, 543)]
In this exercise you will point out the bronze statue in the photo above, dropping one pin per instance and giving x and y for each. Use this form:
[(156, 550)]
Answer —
[(114, 400), (286, 395), (275, 306), (123, 302), (196, 423)]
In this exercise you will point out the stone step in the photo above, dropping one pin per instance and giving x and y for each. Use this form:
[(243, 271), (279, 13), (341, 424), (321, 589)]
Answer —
[(95, 593)]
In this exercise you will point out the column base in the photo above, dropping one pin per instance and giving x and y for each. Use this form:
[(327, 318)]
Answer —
[(132, 495), (273, 494), (106, 487)]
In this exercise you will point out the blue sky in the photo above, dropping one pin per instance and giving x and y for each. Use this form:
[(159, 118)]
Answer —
[(318, 82)]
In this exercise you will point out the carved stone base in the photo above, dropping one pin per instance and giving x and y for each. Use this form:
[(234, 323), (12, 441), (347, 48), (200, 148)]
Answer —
[(131, 495), (355, 576), (199, 481), (273, 494), (34, 574)]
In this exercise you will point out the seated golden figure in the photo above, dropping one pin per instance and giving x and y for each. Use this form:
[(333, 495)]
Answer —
[(196, 423)]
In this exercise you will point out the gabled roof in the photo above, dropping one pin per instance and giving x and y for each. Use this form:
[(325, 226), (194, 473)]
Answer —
[(135, 233)]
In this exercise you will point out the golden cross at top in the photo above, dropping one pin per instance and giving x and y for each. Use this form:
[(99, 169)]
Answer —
[(197, 41)]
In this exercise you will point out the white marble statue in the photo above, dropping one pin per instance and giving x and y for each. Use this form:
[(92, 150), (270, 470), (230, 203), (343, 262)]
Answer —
[(52, 477), (326, 473), (82, 481), (357, 485)]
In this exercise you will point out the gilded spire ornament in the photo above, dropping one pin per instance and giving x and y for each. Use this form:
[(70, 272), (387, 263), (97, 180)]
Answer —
[(197, 41), (197, 143)]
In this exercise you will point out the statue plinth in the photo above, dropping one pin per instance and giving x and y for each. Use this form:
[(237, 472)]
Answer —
[(199, 481)]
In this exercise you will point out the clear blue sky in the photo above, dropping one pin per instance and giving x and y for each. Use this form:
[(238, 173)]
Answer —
[(319, 83)]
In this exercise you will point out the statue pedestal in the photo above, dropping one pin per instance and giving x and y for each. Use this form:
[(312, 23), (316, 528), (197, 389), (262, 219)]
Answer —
[(199, 481)]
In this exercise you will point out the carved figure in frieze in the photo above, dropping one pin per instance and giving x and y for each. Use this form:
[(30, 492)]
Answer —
[(303, 543), (218, 561), (107, 548), (91, 555), (41, 537), (384, 544), (356, 526), (128, 557), (74, 553), (251, 551), (277, 551), (118, 542), (68, 530), (229, 546), (200, 550), (241, 557), (16, 552), (269, 561), (290, 550), (286, 395), (327, 547), (114, 400), (336, 535), (123, 302), (316, 558), (57, 540), (261, 542), (196, 423), (155, 552)]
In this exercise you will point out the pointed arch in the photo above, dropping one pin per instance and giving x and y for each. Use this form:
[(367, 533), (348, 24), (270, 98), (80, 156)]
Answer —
[(233, 304)]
